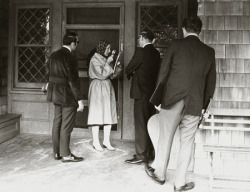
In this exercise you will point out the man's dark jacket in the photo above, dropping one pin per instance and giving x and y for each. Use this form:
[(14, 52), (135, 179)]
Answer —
[(187, 72), (63, 78), (143, 68)]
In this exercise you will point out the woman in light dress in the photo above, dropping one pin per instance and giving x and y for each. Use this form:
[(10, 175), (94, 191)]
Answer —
[(102, 103)]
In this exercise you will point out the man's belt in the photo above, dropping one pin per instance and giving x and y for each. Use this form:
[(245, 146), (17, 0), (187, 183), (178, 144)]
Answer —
[(57, 80)]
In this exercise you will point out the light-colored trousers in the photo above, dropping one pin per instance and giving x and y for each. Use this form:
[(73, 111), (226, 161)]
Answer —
[(168, 121), (154, 131)]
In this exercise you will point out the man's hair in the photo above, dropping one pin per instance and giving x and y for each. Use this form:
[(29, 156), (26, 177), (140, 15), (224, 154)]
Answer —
[(192, 24), (69, 37), (148, 34)]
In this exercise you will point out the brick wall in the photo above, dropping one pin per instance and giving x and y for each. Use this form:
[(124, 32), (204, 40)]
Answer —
[(226, 28), (3, 55)]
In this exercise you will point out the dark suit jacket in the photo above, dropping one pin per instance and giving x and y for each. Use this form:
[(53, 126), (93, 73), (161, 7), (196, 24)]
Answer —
[(63, 78), (143, 68), (187, 72)]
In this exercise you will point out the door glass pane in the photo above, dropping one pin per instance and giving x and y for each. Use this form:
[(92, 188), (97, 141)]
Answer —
[(107, 15), (89, 39)]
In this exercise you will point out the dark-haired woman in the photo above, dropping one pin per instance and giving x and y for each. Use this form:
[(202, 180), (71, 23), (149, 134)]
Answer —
[(102, 104)]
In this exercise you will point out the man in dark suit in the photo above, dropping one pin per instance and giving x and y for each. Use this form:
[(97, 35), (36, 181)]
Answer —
[(143, 68), (185, 84), (64, 91)]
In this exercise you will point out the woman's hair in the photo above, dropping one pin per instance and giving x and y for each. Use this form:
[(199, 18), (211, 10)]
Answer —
[(192, 24), (69, 37), (101, 47)]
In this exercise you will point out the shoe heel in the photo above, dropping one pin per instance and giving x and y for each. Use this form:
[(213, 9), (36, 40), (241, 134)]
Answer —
[(100, 150), (110, 149)]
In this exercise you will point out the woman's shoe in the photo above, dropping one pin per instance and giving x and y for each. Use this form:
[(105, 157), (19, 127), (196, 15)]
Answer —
[(98, 148), (108, 146)]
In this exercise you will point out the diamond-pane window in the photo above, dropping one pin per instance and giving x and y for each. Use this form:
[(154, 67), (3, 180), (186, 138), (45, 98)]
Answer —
[(163, 21), (33, 44), (33, 26), (31, 62)]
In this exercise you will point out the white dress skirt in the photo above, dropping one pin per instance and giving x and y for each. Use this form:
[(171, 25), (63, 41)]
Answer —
[(101, 97)]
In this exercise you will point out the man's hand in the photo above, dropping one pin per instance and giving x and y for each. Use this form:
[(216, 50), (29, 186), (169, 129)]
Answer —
[(203, 118), (206, 114), (80, 106), (45, 88)]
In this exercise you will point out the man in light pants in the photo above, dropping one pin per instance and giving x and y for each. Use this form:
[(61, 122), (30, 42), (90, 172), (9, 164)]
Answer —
[(185, 84)]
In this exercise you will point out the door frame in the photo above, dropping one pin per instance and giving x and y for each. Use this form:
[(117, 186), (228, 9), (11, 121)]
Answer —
[(87, 132)]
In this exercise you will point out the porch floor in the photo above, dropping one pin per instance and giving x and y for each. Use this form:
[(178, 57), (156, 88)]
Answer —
[(26, 164)]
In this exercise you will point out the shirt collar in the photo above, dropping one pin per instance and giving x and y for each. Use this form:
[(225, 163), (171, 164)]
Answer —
[(194, 34), (146, 44), (67, 47)]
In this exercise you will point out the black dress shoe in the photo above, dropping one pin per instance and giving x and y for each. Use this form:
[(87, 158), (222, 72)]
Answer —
[(57, 156), (149, 169), (72, 158), (136, 161), (185, 187), (150, 172)]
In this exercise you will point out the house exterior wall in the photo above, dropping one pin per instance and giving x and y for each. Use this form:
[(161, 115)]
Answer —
[(3, 55), (226, 28), (37, 113)]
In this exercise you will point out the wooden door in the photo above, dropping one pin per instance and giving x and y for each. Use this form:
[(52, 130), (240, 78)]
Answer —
[(94, 22)]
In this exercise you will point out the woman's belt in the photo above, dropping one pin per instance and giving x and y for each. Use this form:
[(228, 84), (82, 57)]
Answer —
[(99, 79)]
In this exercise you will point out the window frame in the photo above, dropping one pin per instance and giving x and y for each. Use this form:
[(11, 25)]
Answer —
[(28, 85)]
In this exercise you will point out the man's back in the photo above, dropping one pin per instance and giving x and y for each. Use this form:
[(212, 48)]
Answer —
[(64, 87), (189, 72), (60, 60), (146, 67)]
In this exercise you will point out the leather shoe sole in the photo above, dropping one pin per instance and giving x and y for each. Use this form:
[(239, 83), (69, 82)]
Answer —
[(72, 158), (150, 172), (135, 161), (185, 187)]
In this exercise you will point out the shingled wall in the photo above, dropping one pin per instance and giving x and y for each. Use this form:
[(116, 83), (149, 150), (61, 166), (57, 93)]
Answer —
[(226, 28)]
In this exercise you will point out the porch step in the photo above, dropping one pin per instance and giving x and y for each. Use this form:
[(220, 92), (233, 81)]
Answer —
[(9, 126), (231, 184)]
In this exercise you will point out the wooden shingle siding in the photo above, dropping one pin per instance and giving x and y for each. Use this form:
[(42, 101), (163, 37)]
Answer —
[(223, 37), (226, 28), (243, 23), (231, 22)]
